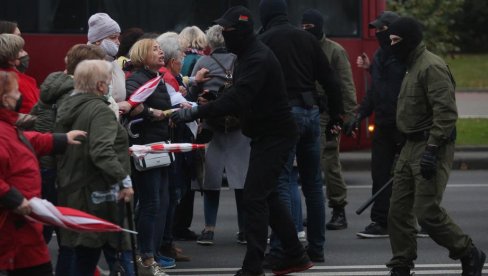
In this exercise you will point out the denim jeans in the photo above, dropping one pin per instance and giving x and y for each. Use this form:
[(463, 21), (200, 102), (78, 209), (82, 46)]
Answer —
[(87, 260), (211, 200), (153, 195), (307, 152), (296, 200)]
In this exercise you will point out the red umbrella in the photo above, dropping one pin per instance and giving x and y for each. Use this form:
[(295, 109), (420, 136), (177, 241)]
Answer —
[(45, 212)]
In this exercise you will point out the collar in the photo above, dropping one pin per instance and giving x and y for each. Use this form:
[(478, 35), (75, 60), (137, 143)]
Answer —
[(416, 53)]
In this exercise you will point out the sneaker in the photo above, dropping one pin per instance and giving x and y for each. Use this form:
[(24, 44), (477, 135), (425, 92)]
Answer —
[(422, 233), (152, 270), (290, 265), (165, 262), (473, 262), (242, 272), (170, 250), (400, 271), (314, 256), (206, 238), (184, 235), (241, 238), (373, 231), (338, 220), (302, 236)]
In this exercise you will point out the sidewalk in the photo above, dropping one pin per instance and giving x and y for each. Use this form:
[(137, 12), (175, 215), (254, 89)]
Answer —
[(465, 158)]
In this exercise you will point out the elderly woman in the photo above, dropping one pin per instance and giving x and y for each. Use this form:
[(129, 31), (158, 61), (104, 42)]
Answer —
[(229, 149), (194, 43), (11, 47), (151, 185), (95, 175), (9, 27), (23, 250)]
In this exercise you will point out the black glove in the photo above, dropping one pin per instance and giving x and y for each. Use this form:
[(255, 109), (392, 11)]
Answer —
[(184, 115), (428, 162), (333, 128), (351, 125)]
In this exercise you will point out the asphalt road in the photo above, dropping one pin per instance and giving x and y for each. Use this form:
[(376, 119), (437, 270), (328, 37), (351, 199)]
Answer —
[(345, 254), (472, 104)]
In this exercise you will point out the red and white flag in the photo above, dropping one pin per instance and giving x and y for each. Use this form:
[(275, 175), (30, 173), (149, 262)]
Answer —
[(141, 150), (143, 92), (45, 212)]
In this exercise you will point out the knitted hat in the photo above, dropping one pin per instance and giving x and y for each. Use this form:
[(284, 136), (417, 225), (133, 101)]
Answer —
[(268, 9), (100, 26)]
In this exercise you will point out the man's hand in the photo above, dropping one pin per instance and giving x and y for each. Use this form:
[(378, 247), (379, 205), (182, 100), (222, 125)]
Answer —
[(184, 115), (24, 208), (126, 194), (333, 128), (363, 61), (351, 127), (428, 162), (201, 75)]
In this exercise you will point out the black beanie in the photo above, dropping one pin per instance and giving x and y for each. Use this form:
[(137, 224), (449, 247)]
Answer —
[(410, 31), (313, 16), (268, 9)]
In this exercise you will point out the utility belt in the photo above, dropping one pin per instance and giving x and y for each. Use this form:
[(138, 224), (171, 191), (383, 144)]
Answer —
[(307, 100), (424, 136)]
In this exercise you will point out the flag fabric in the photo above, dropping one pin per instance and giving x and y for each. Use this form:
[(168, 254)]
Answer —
[(143, 92), (45, 212), (141, 150)]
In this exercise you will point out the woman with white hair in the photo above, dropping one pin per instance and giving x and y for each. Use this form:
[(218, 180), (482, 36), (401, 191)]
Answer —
[(94, 176), (229, 149), (194, 43)]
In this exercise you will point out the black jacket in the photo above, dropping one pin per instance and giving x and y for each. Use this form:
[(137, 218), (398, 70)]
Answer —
[(303, 62), (257, 95), (149, 131), (381, 98)]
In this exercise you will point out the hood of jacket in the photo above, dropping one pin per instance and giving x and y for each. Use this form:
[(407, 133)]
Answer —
[(73, 105), (55, 86)]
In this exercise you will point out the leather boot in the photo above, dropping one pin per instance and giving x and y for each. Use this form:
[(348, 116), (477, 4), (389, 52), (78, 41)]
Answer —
[(338, 220), (473, 262), (400, 271)]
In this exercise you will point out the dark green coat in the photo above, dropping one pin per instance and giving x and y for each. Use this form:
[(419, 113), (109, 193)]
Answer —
[(426, 100), (101, 161)]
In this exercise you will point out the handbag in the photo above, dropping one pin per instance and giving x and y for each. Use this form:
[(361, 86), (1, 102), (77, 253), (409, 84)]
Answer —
[(153, 160)]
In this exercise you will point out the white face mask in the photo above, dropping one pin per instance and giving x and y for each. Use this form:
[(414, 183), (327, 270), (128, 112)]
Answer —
[(110, 47), (109, 93)]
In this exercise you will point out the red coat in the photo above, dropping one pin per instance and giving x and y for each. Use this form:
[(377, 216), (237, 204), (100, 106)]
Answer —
[(21, 241), (29, 90)]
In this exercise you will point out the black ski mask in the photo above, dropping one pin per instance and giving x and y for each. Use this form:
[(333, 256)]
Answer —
[(240, 27), (411, 33), (268, 9), (314, 17), (384, 40), (236, 41)]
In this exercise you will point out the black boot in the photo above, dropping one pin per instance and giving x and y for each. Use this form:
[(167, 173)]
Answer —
[(338, 220), (473, 262), (400, 271)]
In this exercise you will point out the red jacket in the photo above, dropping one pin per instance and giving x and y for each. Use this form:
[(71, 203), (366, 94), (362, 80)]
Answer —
[(21, 241), (29, 90)]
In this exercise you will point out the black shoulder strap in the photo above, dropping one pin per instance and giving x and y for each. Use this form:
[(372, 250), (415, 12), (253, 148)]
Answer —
[(228, 72), (25, 141)]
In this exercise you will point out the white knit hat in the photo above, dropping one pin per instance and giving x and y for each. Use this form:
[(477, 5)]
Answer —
[(100, 26)]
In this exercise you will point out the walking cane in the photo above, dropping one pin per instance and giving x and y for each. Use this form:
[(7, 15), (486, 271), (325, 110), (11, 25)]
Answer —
[(132, 239), (374, 197)]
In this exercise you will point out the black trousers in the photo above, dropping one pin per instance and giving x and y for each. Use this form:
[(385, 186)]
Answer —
[(387, 142), (262, 204), (38, 270)]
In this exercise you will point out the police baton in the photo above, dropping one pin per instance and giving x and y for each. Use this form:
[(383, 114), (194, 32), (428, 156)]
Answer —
[(374, 197)]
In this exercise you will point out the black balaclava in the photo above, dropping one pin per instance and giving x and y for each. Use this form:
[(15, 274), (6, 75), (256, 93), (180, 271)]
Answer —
[(268, 9), (313, 16), (242, 23), (384, 39), (237, 40), (410, 31)]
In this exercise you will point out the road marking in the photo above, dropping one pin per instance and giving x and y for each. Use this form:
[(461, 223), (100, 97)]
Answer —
[(351, 270), (448, 186)]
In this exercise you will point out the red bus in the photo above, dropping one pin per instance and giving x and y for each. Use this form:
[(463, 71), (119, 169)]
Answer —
[(51, 27)]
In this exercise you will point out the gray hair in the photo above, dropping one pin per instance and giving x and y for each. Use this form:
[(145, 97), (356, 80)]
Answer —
[(89, 73), (10, 47), (214, 37), (193, 37), (170, 45)]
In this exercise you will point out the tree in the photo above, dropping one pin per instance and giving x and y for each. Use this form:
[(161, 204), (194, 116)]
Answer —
[(438, 18), (470, 25)]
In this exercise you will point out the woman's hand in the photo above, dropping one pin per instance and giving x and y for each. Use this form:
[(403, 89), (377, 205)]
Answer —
[(126, 194), (24, 208), (75, 137), (200, 76), (183, 91), (157, 114)]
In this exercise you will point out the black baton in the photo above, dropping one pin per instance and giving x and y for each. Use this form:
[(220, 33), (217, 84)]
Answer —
[(374, 197)]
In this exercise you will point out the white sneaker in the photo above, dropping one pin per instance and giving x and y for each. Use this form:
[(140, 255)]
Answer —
[(302, 236)]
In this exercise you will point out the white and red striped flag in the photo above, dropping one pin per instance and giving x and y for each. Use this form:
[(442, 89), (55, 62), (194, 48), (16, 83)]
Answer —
[(141, 150), (45, 212), (143, 92)]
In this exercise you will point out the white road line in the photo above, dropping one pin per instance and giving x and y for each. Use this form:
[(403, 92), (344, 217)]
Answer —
[(345, 273), (448, 186)]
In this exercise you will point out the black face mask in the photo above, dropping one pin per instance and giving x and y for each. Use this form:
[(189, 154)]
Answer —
[(316, 31), (236, 41), (402, 50), (24, 64), (384, 40)]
